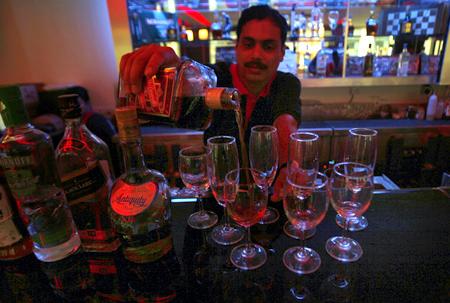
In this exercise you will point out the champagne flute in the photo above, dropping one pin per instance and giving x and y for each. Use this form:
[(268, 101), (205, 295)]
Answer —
[(246, 196), (351, 186), (194, 174), (303, 161), (305, 207), (224, 157), (361, 147), (263, 156)]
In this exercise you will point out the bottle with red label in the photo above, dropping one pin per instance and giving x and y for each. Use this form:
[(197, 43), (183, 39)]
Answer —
[(84, 165), (139, 199)]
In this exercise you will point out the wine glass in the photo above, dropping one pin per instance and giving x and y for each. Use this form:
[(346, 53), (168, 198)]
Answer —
[(194, 174), (303, 160), (224, 157), (351, 186), (246, 196), (361, 147), (263, 156), (305, 207)]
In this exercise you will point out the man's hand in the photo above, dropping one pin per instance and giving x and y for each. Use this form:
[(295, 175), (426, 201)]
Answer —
[(278, 187), (145, 61)]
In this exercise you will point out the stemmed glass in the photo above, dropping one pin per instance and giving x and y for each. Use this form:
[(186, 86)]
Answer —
[(361, 147), (263, 154), (305, 207), (246, 196), (351, 186), (303, 160), (224, 157), (194, 174)]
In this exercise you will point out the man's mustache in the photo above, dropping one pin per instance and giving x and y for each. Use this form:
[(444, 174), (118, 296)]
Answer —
[(255, 64)]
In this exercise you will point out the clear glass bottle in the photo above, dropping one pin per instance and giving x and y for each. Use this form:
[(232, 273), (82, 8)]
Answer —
[(403, 62), (140, 198), (28, 160), (84, 165), (322, 61), (184, 96), (15, 242)]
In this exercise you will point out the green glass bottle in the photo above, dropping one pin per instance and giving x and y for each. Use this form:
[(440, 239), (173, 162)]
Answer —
[(28, 160)]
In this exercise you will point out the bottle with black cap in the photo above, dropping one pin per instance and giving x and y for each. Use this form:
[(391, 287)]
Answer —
[(84, 165)]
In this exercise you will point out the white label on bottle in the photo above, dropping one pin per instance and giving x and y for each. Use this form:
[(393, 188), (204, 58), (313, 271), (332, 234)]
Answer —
[(8, 230)]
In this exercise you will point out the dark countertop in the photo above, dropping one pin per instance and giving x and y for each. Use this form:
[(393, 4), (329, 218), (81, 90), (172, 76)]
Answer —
[(406, 259)]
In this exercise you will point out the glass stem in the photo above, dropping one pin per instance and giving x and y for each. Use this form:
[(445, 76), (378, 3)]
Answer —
[(249, 240), (200, 205), (226, 217)]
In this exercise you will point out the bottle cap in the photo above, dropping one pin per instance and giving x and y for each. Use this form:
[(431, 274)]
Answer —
[(222, 98), (69, 106), (127, 123), (12, 109)]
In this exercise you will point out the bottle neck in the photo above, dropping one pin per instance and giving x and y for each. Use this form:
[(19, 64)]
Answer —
[(133, 157), (75, 128)]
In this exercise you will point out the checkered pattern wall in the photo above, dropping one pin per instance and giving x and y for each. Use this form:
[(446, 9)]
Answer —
[(423, 20)]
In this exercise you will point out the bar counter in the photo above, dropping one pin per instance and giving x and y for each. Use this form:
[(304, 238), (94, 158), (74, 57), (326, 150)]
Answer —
[(406, 259)]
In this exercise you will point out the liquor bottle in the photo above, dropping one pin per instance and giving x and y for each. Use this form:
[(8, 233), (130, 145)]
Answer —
[(184, 97), (406, 25), (28, 160), (371, 25), (322, 61), (15, 242), (351, 27), (403, 62), (84, 165), (431, 107), (368, 62), (306, 58), (216, 27), (139, 199)]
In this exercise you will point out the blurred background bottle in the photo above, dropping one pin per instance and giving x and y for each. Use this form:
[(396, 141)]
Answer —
[(84, 164), (371, 24), (140, 198), (368, 62), (403, 62), (28, 160)]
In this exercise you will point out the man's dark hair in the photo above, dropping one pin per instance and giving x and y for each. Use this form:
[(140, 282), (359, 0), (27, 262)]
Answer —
[(261, 12)]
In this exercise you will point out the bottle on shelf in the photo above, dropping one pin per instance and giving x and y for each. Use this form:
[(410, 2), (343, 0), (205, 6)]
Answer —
[(424, 62), (406, 25), (84, 165), (294, 28), (431, 107), (368, 62), (216, 27), (15, 242), (306, 58), (140, 198), (351, 27), (403, 62), (184, 97), (371, 24), (28, 160), (322, 61)]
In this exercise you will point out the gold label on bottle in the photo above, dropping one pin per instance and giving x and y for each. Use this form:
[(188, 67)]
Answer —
[(127, 122)]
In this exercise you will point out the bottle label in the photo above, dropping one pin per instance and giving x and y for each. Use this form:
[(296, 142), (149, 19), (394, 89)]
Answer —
[(83, 184), (150, 252), (102, 266), (21, 182), (130, 200)]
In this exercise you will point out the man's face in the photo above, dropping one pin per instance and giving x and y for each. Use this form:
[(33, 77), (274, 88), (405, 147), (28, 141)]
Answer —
[(259, 51)]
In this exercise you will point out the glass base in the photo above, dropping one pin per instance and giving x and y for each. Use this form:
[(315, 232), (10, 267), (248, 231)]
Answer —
[(202, 219), (344, 249), (301, 260), (270, 216), (227, 234), (296, 233), (354, 224), (248, 257)]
